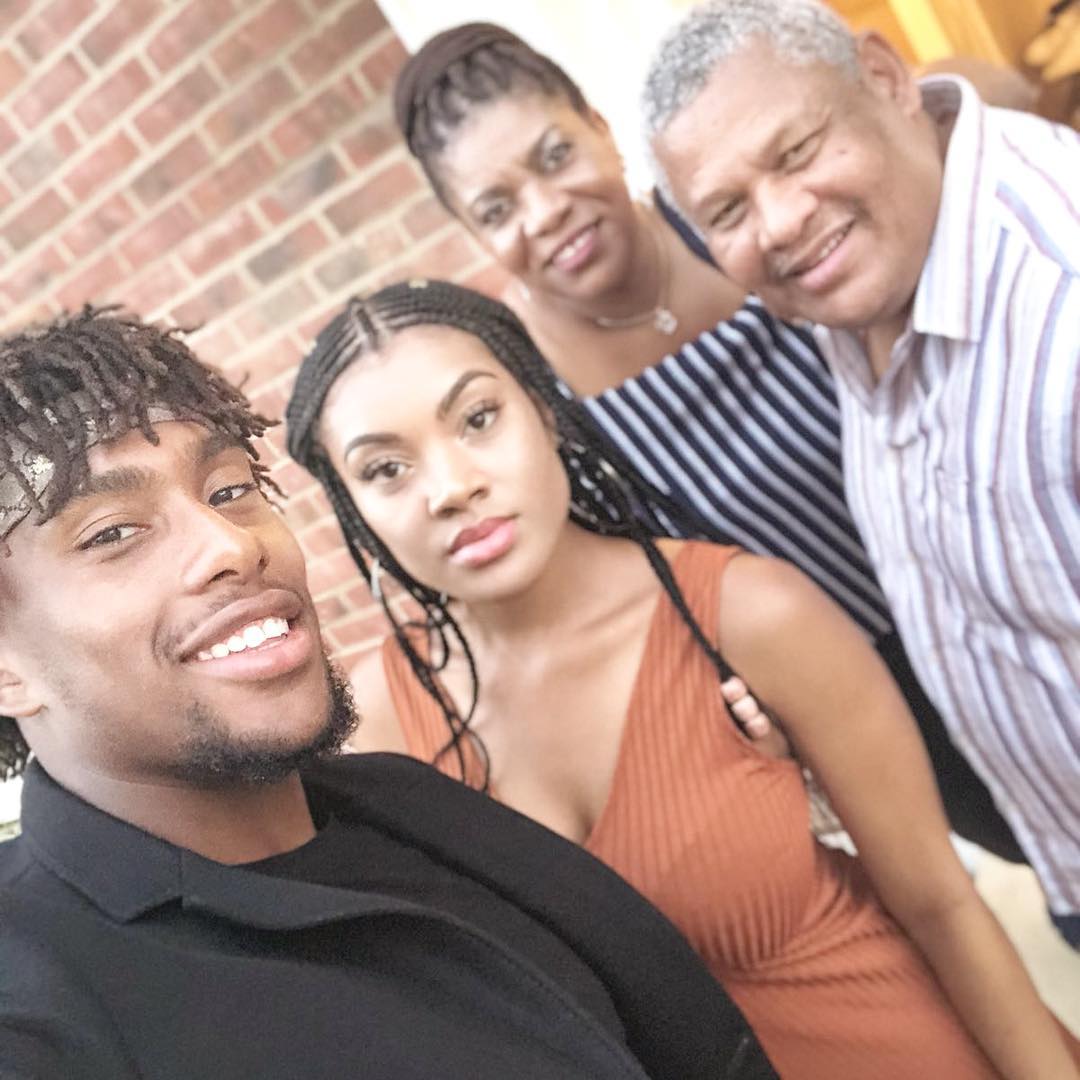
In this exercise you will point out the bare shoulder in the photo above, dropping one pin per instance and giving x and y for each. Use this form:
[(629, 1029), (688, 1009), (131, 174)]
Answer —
[(379, 728)]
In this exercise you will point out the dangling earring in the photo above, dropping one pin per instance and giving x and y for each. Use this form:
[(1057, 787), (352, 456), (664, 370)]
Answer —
[(373, 580)]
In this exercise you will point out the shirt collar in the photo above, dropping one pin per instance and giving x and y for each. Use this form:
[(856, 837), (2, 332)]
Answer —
[(948, 302), (127, 873)]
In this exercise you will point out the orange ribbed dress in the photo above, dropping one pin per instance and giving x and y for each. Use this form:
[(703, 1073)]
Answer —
[(718, 838)]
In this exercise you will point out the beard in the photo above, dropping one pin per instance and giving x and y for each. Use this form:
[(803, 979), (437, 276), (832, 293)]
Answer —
[(214, 756)]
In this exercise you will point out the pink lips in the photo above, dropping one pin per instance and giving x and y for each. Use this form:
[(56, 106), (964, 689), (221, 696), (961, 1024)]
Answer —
[(484, 542), (577, 251)]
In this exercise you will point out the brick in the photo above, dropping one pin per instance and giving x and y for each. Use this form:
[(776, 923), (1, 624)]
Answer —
[(213, 244), (171, 171), (34, 221), (99, 228), (49, 90), (491, 280), (452, 259), (119, 91), (41, 159), (11, 72), (8, 138), (6, 196), (178, 105), (260, 37), (159, 235), (359, 633), (249, 108), (383, 243), (288, 253), (344, 268), (184, 36), (342, 39), (152, 289), (257, 369), (369, 142), (314, 122), (101, 165), (92, 284), (119, 28), (214, 300), (425, 217), (217, 346), (233, 181), (330, 607), (331, 571), (11, 11), (53, 26), (324, 539), (35, 274), (386, 189), (382, 66), (302, 187), (276, 310)]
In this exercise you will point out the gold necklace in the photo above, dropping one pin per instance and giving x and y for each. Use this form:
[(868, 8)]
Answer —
[(663, 318)]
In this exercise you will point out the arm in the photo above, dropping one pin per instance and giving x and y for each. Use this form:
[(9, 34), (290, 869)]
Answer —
[(812, 667), (379, 729)]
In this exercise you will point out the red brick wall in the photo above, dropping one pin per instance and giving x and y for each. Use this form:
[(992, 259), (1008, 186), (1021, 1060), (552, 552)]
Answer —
[(230, 163)]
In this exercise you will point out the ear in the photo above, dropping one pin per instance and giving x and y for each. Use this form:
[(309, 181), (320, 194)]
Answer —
[(885, 73), (16, 697)]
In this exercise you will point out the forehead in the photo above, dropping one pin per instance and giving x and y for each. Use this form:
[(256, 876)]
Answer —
[(407, 376), (749, 99)]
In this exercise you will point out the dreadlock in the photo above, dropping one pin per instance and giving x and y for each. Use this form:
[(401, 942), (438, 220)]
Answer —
[(607, 496), (67, 383), (469, 65)]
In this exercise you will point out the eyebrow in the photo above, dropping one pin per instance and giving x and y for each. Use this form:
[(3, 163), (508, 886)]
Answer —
[(125, 479), (382, 438)]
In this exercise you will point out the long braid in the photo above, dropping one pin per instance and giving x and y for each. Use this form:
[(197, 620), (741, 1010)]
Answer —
[(607, 496), (65, 384)]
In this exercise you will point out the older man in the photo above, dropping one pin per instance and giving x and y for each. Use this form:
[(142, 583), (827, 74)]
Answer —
[(196, 893), (936, 243)]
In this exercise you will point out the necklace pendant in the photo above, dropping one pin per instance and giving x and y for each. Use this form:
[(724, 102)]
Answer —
[(664, 321)]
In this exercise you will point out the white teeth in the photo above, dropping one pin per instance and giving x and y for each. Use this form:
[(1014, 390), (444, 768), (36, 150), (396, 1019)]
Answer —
[(249, 637), (568, 251)]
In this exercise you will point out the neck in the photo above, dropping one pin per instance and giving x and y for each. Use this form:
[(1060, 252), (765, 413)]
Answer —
[(232, 825), (558, 597)]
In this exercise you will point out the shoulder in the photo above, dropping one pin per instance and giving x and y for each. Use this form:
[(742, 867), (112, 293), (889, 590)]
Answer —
[(1034, 197), (379, 727)]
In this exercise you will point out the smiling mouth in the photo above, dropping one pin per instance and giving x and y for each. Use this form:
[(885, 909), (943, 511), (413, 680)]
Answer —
[(568, 254), (254, 635), (805, 265)]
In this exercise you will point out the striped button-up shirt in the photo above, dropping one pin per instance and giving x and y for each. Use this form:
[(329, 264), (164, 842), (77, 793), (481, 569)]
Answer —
[(962, 462)]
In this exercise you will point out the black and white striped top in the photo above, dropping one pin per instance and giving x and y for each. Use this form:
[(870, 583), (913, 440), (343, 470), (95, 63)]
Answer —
[(742, 424)]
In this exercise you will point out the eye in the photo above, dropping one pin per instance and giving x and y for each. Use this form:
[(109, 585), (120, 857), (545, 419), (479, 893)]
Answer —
[(114, 534), (554, 155), (233, 492), (482, 416), (800, 153), (386, 470), (494, 212), (727, 216)]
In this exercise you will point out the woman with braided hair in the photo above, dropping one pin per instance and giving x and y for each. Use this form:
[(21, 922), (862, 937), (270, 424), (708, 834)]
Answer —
[(572, 667), (728, 410)]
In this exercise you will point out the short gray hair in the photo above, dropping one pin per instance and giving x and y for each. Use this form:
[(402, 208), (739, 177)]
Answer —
[(801, 31)]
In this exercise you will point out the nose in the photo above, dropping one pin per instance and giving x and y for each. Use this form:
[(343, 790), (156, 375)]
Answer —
[(783, 210), (455, 481), (546, 207), (219, 548)]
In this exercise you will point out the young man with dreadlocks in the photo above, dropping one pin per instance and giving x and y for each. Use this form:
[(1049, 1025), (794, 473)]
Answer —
[(198, 891), (572, 667)]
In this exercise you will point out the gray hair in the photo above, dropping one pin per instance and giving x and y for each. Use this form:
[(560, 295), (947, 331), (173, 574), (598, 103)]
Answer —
[(801, 31)]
